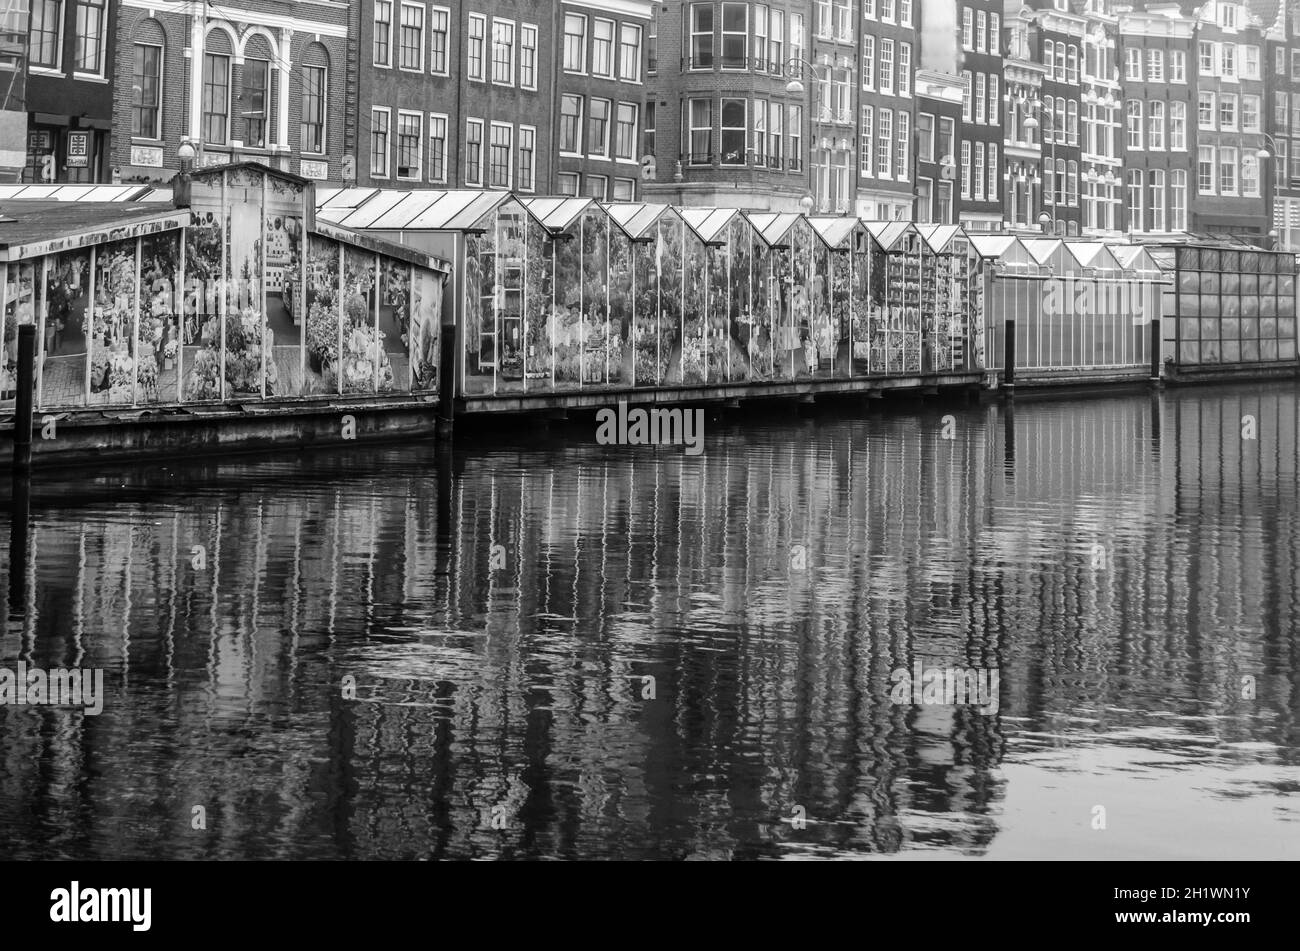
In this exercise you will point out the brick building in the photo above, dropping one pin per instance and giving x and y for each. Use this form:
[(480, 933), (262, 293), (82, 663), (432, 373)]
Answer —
[(1022, 149), (1282, 118), (1101, 106), (1156, 49), (727, 128), (1058, 47), (262, 80), (890, 50), (975, 43), (939, 98), (71, 59)]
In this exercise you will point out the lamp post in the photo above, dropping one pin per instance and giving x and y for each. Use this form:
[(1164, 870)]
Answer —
[(181, 184), (794, 68), (1032, 123)]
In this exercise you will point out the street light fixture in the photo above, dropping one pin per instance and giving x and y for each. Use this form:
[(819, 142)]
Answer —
[(795, 87)]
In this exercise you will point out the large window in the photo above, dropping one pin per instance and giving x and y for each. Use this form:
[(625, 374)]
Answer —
[(409, 138), (602, 47), (91, 22), (1156, 125), (503, 52), (1135, 123), (1205, 169), (575, 43), (500, 163), (571, 124), (527, 159), (598, 127), (473, 151), (1157, 200), (410, 53), (528, 56), (1178, 200), (312, 138), (254, 95), (625, 132), (1136, 217), (146, 91), (1227, 171), (437, 149), (733, 131), (700, 116), (701, 36), (1178, 125), (439, 26), (383, 33), (903, 153), (477, 47), (649, 132), (629, 53), (216, 99), (735, 35), (43, 39), (379, 119), (885, 143)]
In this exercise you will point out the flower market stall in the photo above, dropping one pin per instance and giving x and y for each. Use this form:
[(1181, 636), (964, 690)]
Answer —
[(644, 227), (718, 245), (897, 350), (785, 263), (948, 257), (843, 259)]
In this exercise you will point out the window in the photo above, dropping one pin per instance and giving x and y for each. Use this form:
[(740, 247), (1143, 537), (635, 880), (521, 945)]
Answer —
[(596, 187), (1228, 15), (624, 189), (925, 201), (625, 132), (947, 136), (1155, 66), (473, 151), (1157, 202), (993, 172), (1227, 171), (1133, 64), (885, 143), (1178, 200), (868, 62), (1250, 114), (968, 83), (775, 113), (1280, 163), (216, 98), (794, 136), (1178, 126), (476, 49), (701, 36), (700, 116), (575, 43), (1072, 66), (1156, 125), (1295, 65), (528, 56), (866, 141), (311, 135), (967, 28), (735, 35), (437, 149), (43, 46), (1250, 62), (409, 138), (1228, 60), (1177, 67), (1136, 220), (1134, 123), (1205, 170), (410, 49), (1072, 184), (629, 53), (1250, 175), (978, 180), (1205, 58), (503, 52), (1072, 122), (925, 137), (796, 36), (1205, 110), (571, 124), (439, 24), (1227, 112), (649, 132), (253, 98), (383, 32), (146, 91), (602, 47), (981, 97), (527, 181), (993, 98), (965, 169), (500, 163), (568, 183), (886, 80), (995, 34), (598, 127), (1280, 109), (379, 143), (904, 69), (903, 152), (981, 31), (88, 55), (734, 130)]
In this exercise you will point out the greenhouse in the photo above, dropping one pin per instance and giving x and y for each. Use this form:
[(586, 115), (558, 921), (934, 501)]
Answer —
[(948, 269), (242, 297), (900, 322)]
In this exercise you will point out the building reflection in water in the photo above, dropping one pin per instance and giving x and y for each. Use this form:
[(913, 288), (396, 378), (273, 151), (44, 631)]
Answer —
[(500, 612)]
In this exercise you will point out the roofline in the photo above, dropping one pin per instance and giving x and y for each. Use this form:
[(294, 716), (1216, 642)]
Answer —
[(122, 229)]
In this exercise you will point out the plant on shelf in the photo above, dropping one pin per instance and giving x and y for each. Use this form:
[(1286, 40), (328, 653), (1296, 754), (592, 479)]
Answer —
[(323, 331), (203, 380)]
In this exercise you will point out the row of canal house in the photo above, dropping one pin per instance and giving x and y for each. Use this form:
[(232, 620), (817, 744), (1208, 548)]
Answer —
[(267, 290)]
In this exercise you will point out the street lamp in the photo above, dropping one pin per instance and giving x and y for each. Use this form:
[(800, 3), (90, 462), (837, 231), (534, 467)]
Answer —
[(794, 68), (181, 183), (1031, 123)]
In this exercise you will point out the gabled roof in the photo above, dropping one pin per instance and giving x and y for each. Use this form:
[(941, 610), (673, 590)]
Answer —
[(708, 223), (836, 233), (994, 245), (31, 228), (773, 228), (557, 214), (1137, 260), (938, 237), (636, 219), (1093, 254), (1045, 251), (77, 192), (390, 209), (888, 233)]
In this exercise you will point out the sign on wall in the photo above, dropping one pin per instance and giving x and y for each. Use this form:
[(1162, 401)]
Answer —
[(78, 149), (148, 156)]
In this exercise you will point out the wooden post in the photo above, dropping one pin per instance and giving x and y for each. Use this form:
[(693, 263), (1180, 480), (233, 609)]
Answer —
[(23, 399), (1155, 349), (1009, 354)]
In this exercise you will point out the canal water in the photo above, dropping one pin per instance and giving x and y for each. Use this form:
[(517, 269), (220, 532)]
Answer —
[(534, 646)]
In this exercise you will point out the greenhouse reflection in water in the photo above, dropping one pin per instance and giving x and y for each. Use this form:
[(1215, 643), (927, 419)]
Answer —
[(502, 611)]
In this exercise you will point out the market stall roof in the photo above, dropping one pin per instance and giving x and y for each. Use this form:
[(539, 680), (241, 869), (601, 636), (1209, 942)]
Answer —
[(1093, 254), (773, 227), (342, 197), (557, 214), (938, 237), (31, 228), (75, 192), (1050, 253), (390, 209), (1140, 261), (636, 219), (1006, 250), (837, 232), (709, 223), (888, 233), (374, 245)]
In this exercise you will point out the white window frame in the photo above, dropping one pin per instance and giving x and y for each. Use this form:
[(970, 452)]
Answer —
[(388, 141), (480, 21), (420, 9), (446, 140), (510, 25), (482, 152), (528, 50), (419, 146), (446, 35), (509, 129)]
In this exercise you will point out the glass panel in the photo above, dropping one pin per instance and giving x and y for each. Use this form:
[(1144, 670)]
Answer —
[(762, 355), (1286, 349), (159, 371), (669, 256), (739, 307), (568, 310), (285, 304), (1189, 259), (645, 334), (248, 339), (595, 299), (786, 342), (539, 305), (112, 343), (365, 367), (1250, 350), (63, 369), (512, 254), (1190, 304), (1250, 305), (1268, 284), (621, 308), (1230, 306), (201, 356), (425, 332), (1268, 349), (1250, 284), (395, 336), (1209, 260), (1230, 262), (695, 260), (323, 315), (1189, 281), (801, 265), (480, 311), (20, 308), (1209, 282), (1231, 351), (1230, 283), (716, 328), (841, 288)]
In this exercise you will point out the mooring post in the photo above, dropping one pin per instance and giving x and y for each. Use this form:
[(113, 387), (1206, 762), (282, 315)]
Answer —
[(23, 399), (1155, 349), (1009, 356), (447, 382)]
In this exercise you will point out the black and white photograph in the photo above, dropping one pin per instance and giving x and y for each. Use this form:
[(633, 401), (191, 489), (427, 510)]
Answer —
[(615, 431)]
